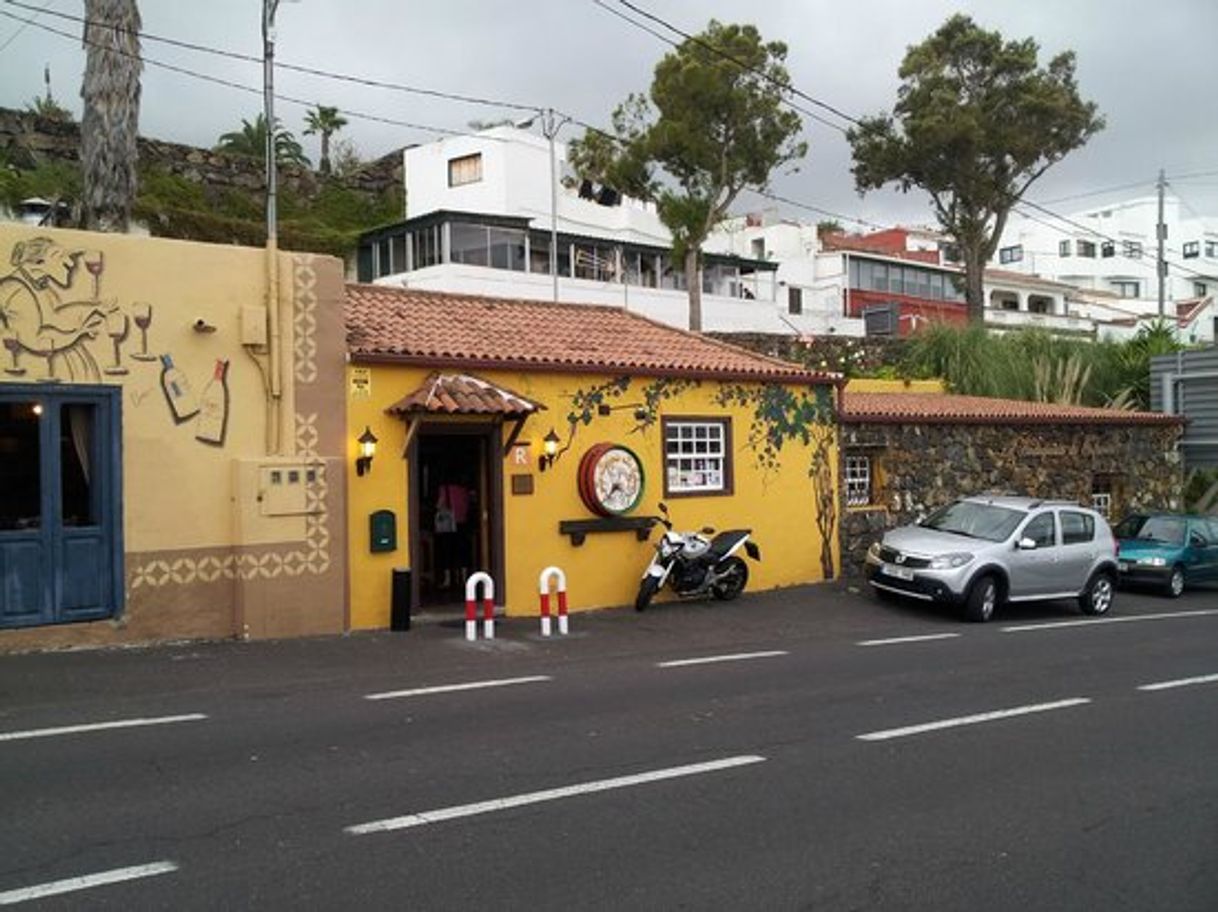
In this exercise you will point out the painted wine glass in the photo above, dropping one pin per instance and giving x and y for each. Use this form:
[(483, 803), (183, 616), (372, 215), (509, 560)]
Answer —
[(118, 327), (13, 345), (142, 315), (95, 262)]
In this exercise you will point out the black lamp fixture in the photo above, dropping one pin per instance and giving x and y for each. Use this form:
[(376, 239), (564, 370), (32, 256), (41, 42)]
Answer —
[(550, 450), (367, 449)]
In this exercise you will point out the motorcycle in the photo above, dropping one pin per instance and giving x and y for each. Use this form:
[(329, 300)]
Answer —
[(693, 564)]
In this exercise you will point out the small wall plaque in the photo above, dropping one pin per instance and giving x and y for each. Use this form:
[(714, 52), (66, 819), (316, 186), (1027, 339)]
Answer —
[(522, 484)]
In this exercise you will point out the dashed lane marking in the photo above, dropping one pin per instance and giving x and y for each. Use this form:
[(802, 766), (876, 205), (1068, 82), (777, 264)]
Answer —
[(893, 641), (971, 720), (440, 815), (453, 688), (98, 726), (86, 882), (1182, 682), (1164, 616), (735, 657)]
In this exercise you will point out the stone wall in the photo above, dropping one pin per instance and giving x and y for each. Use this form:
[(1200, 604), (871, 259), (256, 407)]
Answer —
[(918, 467), (28, 140)]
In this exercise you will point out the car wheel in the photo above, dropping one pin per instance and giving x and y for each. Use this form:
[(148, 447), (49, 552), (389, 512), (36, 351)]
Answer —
[(982, 600), (1175, 583), (1097, 597)]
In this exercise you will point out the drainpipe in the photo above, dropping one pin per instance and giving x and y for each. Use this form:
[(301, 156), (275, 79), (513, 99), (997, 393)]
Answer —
[(274, 348)]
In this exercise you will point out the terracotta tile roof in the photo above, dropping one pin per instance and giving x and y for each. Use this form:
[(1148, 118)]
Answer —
[(469, 331), (946, 408), (462, 394)]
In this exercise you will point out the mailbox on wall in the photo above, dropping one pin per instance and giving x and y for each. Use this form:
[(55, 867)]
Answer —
[(383, 532)]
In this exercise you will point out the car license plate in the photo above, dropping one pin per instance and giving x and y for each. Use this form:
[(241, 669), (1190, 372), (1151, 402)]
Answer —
[(1122, 566), (901, 573)]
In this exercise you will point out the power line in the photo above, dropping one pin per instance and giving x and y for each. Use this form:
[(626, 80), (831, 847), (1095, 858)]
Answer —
[(297, 68), (25, 22), (217, 80), (1100, 192), (785, 86)]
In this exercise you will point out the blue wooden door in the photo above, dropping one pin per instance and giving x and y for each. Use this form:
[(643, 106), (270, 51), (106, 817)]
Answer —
[(60, 515)]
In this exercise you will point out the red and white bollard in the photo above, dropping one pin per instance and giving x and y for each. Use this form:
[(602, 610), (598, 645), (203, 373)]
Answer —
[(543, 585), (471, 606)]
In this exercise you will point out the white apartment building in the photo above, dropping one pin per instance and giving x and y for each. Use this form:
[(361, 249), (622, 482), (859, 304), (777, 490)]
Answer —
[(1112, 249), (479, 222)]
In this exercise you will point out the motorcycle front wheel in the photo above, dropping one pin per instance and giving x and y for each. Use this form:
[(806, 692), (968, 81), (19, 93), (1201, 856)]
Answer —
[(647, 589), (733, 576)]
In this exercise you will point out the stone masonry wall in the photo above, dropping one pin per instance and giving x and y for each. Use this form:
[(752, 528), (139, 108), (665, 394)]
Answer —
[(916, 468), (28, 139)]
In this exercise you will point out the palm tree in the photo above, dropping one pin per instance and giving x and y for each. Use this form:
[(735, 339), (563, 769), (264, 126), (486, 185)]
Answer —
[(110, 125), (250, 141), (326, 121)]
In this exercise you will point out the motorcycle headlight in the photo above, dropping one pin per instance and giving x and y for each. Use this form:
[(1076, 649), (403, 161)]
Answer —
[(950, 561)]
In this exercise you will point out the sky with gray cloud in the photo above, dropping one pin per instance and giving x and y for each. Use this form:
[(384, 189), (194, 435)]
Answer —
[(1151, 67)]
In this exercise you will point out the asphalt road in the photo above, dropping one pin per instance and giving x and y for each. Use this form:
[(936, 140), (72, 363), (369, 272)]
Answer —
[(841, 753)]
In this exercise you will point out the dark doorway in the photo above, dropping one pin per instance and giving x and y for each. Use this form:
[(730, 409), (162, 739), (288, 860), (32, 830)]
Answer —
[(455, 504)]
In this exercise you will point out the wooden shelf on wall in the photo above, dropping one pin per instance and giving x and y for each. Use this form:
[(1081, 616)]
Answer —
[(578, 529)]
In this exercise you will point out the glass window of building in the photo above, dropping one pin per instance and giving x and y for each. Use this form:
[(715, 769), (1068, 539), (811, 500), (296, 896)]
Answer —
[(465, 170)]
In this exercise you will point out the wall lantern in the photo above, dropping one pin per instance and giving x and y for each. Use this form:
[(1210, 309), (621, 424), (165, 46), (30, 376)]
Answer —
[(550, 444), (367, 449)]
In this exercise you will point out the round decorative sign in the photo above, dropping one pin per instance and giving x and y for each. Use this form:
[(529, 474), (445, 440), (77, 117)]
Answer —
[(610, 479)]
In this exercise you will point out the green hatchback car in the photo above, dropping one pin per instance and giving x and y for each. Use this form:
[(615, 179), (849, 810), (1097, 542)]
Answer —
[(1167, 550)]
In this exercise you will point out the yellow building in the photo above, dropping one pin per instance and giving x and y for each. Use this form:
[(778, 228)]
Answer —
[(169, 444), (461, 394)]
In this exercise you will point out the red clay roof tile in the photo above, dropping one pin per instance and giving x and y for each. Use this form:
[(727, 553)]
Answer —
[(462, 394), (468, 331), (946, 408)]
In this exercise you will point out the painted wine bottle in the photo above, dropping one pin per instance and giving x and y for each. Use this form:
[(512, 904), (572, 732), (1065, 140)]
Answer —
[(178, 394), (213, 407)]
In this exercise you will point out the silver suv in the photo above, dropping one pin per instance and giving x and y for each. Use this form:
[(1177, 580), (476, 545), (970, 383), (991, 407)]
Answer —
[(982, 551)]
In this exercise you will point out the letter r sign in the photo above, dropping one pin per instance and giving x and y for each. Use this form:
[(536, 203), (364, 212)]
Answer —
[(520, 454)]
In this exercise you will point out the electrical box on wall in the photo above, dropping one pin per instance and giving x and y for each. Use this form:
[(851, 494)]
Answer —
[(253, 325), (284, 489), (382, 531)]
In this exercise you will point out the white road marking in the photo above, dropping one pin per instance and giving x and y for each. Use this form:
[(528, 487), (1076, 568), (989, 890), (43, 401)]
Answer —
[(1166, 615), (86, 882), (971, 720), (452, 688), (909, 639), (737, 657), (98, 726), (1182, 682), (569, 791)]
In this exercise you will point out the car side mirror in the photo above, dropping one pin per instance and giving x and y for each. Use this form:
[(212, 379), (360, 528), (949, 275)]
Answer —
[(663, 507), (708, 530), (1026, 544)]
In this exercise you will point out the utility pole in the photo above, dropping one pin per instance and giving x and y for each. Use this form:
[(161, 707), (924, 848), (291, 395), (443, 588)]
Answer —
[(274, 439), (1161, 231), (550, 125)]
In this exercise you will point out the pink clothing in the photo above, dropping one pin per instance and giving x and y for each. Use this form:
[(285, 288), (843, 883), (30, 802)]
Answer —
[(456, 498)]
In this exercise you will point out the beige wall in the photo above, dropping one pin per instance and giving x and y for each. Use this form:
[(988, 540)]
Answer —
[(202, 555)]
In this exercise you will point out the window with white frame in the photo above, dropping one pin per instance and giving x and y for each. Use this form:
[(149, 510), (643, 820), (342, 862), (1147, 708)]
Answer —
[(1086, 249), (1211, 249), (697, 456), (1101, 496), (1133, 250), (1192, 249), (858, 480), (1011, 254), (1063, 248), (465, 170), (1127, 289)]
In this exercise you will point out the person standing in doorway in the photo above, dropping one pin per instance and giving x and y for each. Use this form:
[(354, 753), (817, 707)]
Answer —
[(453, 508)]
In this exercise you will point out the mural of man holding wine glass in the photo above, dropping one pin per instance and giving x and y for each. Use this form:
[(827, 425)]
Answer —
[(35, 320)]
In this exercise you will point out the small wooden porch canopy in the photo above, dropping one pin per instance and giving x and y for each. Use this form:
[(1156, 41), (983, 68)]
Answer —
[(463, 394)]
